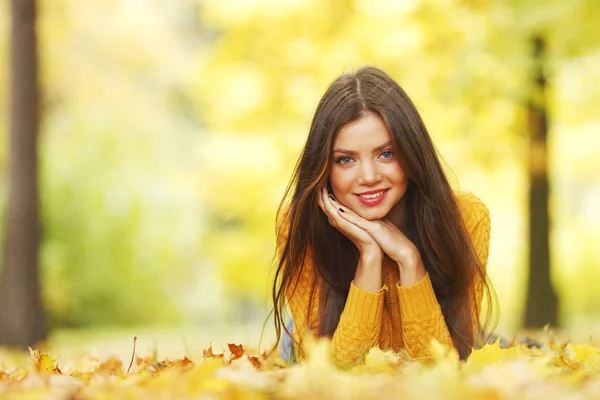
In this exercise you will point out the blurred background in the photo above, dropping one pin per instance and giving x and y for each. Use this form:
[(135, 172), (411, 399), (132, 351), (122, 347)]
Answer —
[(168, 130)]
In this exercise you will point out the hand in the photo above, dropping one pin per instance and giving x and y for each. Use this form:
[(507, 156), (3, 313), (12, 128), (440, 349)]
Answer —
[(391, 239), (364, 242)]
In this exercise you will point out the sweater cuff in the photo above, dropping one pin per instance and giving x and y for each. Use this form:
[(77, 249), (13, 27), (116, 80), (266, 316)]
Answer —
[(417, 300), (364, 307)]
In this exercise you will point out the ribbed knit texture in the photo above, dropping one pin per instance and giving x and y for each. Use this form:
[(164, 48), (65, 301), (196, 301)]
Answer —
[(409, 318)]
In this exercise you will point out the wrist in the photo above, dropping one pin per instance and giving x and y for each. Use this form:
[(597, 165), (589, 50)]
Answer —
[(410, 262), (412, 270), (371, 255)]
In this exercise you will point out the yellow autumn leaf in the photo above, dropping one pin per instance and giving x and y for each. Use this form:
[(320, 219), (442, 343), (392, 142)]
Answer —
[(554, 371), (43, 362), (491, 354), (584, 352), (379, 361)]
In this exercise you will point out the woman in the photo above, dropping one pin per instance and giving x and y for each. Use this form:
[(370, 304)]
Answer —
[(374, 247)]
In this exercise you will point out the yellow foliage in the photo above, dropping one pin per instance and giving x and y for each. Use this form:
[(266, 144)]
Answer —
[(553, 371), (42, 362)]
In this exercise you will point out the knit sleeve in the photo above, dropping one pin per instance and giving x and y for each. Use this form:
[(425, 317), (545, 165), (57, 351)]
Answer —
[(422, 318), (359, 325)]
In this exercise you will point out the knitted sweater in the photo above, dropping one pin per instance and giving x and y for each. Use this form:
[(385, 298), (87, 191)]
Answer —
[(395, 317)]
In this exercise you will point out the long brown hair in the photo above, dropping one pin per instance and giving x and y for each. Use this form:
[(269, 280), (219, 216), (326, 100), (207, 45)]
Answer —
[(433, 220)]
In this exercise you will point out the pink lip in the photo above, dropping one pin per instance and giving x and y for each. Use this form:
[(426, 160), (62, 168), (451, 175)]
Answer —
[(370, 192), (372, 202)]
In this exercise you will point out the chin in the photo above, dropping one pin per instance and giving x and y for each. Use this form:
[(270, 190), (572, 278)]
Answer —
[(373, 215)]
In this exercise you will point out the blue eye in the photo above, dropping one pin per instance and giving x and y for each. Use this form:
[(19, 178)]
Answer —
[(389, 154), (342, 160)]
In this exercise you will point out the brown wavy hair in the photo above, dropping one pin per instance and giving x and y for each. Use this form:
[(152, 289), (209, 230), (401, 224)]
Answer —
[(434, 223)]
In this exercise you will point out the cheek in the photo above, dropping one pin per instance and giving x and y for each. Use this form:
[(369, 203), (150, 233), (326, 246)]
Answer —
[(340, 182), (398, 174)]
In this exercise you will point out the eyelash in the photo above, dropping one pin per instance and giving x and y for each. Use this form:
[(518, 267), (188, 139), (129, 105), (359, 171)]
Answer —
[(338, 161)]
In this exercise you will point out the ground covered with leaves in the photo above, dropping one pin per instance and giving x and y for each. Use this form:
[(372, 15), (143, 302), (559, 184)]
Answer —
[(562, 370)]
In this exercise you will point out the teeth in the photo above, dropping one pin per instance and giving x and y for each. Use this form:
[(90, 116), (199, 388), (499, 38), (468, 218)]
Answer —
[(371, 196)]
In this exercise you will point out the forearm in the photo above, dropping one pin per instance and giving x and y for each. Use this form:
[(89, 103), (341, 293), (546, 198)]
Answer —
[(368, 272), (412, 270), (359, 326), (422, 318), (360, 322)]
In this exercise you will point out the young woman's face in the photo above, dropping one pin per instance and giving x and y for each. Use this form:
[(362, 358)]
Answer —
[(366, 176)]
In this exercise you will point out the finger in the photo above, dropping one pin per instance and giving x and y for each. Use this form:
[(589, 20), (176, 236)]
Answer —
[(329, 204), (378, 230), (337, 206), (335, 203), (333, 208), (357, 220)]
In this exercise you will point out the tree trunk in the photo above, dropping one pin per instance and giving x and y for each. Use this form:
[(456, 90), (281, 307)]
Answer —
[(21, 313), (542, 302)]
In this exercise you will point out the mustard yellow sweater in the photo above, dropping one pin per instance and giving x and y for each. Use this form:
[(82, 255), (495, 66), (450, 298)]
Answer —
[(395, 317)]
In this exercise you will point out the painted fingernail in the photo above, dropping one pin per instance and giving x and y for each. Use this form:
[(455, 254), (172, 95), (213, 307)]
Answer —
[(331, 197), (342, 210)]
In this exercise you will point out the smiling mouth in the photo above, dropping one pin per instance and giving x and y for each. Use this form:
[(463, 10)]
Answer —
[(372, 196)]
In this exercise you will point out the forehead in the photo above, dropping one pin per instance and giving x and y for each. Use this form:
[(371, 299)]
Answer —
[(363, 134)]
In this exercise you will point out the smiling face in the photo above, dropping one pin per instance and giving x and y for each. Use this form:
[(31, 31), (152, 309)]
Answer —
[(366, 176)]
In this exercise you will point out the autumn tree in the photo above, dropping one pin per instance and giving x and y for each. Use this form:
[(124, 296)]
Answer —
[(549, 35), (542, 301), (21, 313), (504, 52), (468, 65)]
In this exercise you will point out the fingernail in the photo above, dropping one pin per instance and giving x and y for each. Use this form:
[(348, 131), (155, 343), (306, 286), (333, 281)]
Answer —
[(342, 210), (331, 197)]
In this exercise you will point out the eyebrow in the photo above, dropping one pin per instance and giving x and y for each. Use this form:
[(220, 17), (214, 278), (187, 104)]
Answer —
[(375, 150)]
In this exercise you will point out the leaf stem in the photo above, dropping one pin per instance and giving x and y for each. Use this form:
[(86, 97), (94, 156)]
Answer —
[(133, 354)]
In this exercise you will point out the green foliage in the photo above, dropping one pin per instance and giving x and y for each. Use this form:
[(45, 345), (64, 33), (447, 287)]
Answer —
[(149, 214), (108, 245), (117, 247), (466, 64)]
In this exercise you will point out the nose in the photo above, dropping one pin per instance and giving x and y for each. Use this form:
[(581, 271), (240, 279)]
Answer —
[(368, 173)]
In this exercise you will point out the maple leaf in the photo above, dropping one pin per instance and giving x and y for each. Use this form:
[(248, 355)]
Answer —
[(112, 366), (442, 353), (585, 352), (184, 363), (16, 375), (551, 370), (255, 361), (236, 351), (43, 362), (379, 361), (208, 353), (491, 354), (147, 364)]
